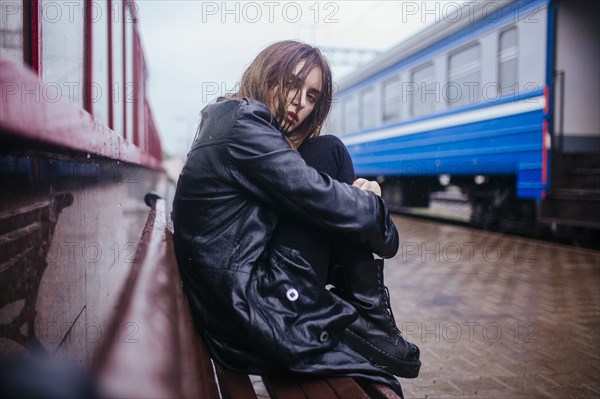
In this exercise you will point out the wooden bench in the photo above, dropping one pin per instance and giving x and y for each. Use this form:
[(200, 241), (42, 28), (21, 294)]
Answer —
[(166, 357)]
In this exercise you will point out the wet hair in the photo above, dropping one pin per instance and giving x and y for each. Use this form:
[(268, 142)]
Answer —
[(270, 76)]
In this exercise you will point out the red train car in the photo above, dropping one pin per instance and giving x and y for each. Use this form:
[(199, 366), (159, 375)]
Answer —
[(79, 150)]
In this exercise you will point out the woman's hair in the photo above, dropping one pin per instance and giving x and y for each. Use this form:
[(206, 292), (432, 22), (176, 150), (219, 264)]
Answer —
[(268, 78)]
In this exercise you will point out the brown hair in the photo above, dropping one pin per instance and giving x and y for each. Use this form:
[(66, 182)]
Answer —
[(272, 70)]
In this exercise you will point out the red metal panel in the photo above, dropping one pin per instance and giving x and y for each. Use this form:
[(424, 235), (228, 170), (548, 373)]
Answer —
[(137, 93), (88, 52), (36, 35), (111, 121), (126, 134), (544, 152), (58, 124)]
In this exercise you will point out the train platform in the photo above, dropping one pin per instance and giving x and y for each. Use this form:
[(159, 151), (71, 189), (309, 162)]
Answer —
[(496, 316)]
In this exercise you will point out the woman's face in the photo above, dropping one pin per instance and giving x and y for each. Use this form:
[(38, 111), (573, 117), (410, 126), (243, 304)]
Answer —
[(301, 99)]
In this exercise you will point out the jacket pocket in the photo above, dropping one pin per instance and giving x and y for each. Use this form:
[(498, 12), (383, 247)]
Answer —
[(291, 314)]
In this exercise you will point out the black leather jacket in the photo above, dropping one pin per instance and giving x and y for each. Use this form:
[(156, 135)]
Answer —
[(259, 306)]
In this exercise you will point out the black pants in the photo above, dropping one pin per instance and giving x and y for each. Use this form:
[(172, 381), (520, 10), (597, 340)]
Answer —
[(327, 154)]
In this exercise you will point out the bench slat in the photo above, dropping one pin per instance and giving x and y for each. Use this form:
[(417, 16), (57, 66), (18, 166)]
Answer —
[(234, 385), (198, 377), (380, 391), (346, 387), (284, 388), (317, 387), (309, 387)]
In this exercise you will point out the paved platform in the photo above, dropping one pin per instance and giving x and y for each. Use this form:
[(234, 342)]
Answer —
[(496, 316)]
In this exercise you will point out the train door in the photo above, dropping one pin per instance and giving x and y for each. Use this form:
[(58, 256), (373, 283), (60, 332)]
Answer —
[(574, 196)]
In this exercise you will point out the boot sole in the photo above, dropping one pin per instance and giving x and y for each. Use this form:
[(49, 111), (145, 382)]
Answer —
[(396, 366)]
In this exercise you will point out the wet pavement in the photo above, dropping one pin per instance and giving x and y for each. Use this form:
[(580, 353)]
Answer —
[(496, 316)]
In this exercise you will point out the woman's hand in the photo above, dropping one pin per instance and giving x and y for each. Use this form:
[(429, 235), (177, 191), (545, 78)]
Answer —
[(367, 185)]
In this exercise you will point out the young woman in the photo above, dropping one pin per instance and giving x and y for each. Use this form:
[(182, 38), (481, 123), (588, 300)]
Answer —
[(267, 213)]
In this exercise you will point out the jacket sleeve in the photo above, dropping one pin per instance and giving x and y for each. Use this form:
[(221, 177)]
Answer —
[(262, 162)]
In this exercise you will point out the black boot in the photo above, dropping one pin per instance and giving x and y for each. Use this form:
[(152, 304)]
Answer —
[(374, 334)]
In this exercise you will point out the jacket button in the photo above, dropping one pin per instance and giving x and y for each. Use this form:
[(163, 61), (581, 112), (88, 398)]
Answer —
[(324, 336), (292, 294)]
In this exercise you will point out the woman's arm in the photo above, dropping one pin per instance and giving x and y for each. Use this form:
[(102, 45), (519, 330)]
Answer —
[(262, 162)]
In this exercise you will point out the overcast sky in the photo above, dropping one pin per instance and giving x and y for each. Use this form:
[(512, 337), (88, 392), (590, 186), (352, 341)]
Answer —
[(197, 50)]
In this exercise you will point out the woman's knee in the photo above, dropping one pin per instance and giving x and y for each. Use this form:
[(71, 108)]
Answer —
[(328, 154), (325, 144)]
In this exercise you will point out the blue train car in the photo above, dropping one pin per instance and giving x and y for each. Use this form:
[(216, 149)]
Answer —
[(499, 99)]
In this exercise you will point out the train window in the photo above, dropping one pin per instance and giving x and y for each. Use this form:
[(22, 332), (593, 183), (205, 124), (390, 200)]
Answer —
[(62, 44), (11, 30), (118, 78), (391, 100), (464, 76), (423, 96), (351, 114), (508, 60), (129, 94), (367, 108), (100, 94)]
